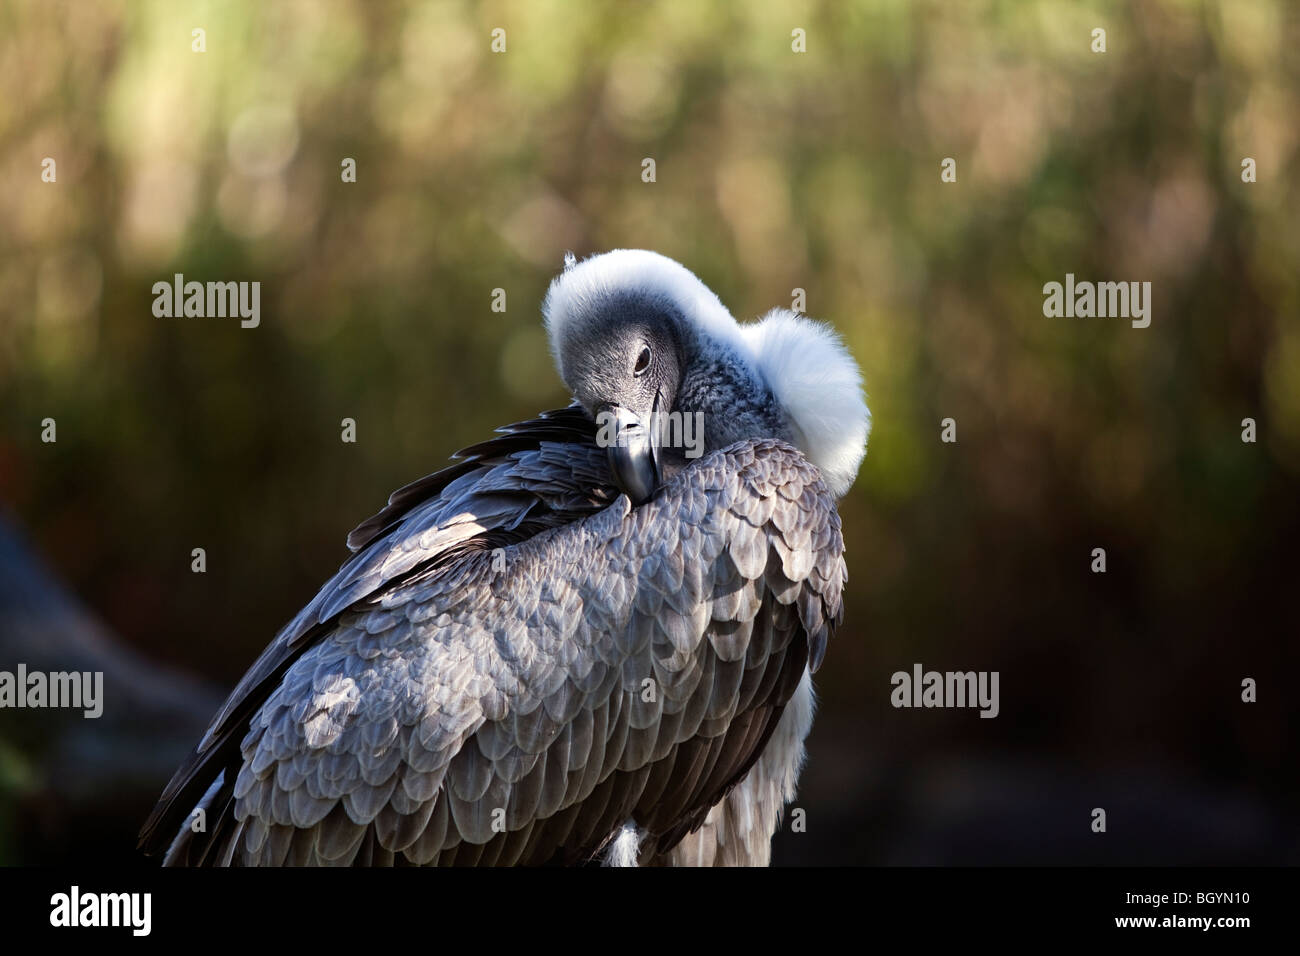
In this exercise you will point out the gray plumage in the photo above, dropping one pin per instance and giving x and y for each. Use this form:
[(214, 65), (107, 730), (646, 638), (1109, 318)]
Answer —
[(518, 666)]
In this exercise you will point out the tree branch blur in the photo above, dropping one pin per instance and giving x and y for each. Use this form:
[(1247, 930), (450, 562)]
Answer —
[(58, 768)]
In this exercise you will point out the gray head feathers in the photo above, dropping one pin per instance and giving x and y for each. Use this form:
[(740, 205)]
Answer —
[(799, 365)]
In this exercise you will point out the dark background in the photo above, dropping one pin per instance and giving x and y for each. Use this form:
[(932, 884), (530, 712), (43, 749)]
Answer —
[(775, 170)]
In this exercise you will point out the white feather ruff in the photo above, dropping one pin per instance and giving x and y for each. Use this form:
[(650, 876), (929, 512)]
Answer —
[(819, 386)]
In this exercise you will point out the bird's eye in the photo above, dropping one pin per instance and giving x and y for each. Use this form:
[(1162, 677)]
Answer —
[(642, 361)]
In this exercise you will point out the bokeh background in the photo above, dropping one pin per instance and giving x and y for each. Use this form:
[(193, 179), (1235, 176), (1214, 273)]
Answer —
[(775, 170)]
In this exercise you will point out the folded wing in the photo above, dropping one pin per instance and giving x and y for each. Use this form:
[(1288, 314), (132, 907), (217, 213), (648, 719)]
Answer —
[(516, 663)]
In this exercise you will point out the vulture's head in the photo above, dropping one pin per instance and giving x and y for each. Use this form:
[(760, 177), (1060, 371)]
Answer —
[(652, 355)]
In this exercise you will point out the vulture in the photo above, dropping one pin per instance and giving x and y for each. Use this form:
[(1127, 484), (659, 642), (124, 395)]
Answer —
[(589, 640)]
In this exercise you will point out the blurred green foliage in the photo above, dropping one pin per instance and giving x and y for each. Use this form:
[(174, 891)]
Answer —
[(775, 170)]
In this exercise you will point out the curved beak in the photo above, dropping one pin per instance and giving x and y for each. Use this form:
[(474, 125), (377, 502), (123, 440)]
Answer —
[(632, 450)]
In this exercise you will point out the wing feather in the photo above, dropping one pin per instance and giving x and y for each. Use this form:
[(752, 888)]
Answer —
[(432, 706)]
